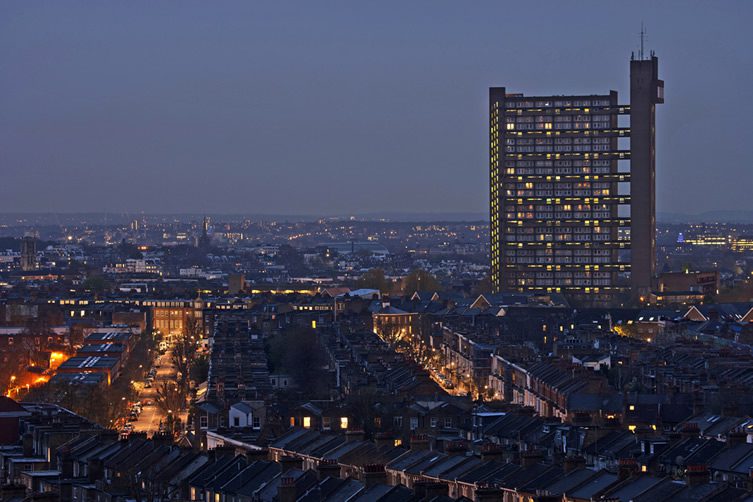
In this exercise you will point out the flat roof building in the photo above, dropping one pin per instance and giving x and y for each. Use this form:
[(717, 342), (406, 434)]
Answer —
[(572, 190), (107, 366)]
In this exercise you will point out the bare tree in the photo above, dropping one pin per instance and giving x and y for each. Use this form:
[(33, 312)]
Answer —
[(392, 334), (183, 355), (168, 398)]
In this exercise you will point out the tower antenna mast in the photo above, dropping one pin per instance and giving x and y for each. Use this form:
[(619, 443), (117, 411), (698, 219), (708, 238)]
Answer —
[(643, 34)]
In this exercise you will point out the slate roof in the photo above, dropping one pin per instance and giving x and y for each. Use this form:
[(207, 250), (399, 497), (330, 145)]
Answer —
[(569, 481), (594, 485), (252, 481)]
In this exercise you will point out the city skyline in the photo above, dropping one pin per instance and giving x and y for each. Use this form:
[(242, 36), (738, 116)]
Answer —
[(202, 111), (397, 251)]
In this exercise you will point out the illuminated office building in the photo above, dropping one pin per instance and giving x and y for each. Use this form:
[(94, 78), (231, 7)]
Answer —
[(572, 190)]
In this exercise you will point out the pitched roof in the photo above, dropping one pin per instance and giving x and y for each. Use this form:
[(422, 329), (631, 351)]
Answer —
[(9, 407)]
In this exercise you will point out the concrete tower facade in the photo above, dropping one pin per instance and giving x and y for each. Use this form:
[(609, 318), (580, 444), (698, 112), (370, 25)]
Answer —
[(572, 205)]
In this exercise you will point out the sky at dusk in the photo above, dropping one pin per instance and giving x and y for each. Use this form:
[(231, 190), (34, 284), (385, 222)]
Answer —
[(343, 107)]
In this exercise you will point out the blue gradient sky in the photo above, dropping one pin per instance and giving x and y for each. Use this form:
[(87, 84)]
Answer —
[(342, 107)]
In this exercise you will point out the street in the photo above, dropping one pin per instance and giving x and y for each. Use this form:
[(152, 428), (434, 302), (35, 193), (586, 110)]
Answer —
[(151, 415)]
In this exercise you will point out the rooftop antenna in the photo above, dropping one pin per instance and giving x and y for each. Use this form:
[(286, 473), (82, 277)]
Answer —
[(643, 35)]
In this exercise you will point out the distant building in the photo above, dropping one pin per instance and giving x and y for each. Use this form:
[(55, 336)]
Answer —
[(29, 253), (705, 282), (204, 240), (743, 244), (351, 247), (150, 266), (675, 297), (573, 209), (236, 283)]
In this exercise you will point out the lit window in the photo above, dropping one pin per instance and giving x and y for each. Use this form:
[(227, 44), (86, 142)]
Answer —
[(306, 422), (632, 407), (398, 442), (343, 422), (510, 126)]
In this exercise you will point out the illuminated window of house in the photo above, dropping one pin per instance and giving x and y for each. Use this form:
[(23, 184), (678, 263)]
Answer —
[(306, 422), (398, 442), (292, 421), (343, 422)]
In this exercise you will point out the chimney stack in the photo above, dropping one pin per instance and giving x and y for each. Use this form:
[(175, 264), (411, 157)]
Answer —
[(736, 437), (529, 458), (491, 451), (573, 462), (628, 467), (287, 490), (488, 493), (328, 468), (697, 474), (428, 490), (419, 442), (455, 448), (289, 462), (690, 430), (374, 474), (256, 455)]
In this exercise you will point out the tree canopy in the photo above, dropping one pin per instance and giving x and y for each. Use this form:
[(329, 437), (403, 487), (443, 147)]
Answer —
[(420, 280), (374, 279)]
